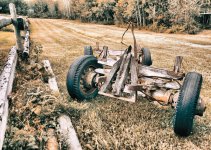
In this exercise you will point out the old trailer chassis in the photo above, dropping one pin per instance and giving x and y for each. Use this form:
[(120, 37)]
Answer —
[(125, 78)]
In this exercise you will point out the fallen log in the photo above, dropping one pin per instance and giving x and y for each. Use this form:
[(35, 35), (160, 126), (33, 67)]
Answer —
[(68, 133), (51, 77), (6, 82), (5, 22), (52, 143)]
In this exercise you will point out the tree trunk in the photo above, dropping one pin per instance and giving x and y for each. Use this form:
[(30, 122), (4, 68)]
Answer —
[(143, 14), (139, 12)]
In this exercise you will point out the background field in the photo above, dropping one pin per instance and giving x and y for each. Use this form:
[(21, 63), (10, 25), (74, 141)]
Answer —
[(105, 123)]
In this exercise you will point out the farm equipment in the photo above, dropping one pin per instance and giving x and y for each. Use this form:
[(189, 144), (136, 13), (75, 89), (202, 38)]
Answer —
[(127, 75)]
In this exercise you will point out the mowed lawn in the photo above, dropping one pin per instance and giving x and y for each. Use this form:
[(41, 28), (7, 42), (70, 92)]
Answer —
[(106, 123)]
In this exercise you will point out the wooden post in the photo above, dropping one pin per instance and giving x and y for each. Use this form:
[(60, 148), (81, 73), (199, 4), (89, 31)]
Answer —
[(68, 133), (104, 54), (6, 82), (17, 32), (178, 63), (97, 46)]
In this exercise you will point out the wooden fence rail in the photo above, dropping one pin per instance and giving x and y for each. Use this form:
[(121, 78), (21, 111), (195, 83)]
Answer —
[(8, 74), (6, 82), (5, 22)]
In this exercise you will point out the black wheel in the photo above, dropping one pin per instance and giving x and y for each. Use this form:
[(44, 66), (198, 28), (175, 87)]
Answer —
[(187, 102), (88, 50), (146, 57), (79, 78)]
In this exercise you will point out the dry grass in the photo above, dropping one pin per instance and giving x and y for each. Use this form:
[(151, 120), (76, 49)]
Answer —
[(106, 123), (6, 42)]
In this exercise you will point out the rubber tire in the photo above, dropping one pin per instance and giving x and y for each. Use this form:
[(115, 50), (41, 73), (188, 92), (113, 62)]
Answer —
[(88, 50), (187, 102), (146, 59), (74, 75)]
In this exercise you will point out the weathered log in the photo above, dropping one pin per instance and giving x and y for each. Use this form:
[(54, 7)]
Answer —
[(178, 64), (134, 75), (25, 54), (5, 22), (111, 76), (52, 143), (160, 73), (122, 76), (51, 77), (68, 133), (13, 14), (6, 82)]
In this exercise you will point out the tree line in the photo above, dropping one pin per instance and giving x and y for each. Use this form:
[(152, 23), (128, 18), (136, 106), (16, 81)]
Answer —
[(157, 15)]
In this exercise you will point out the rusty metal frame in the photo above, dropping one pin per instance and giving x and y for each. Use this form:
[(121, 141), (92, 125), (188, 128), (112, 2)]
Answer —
[(155, 84)]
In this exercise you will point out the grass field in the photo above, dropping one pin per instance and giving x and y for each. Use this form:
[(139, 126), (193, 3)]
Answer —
[(7, 40), (105, 123)]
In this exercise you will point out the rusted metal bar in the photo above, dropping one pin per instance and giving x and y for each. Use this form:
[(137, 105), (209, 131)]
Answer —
[(135, 43), (6, 82), (5, 22)]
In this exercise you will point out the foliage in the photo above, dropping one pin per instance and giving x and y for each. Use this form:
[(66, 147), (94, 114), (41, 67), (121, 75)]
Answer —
[(156, 15), (21, 6)]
